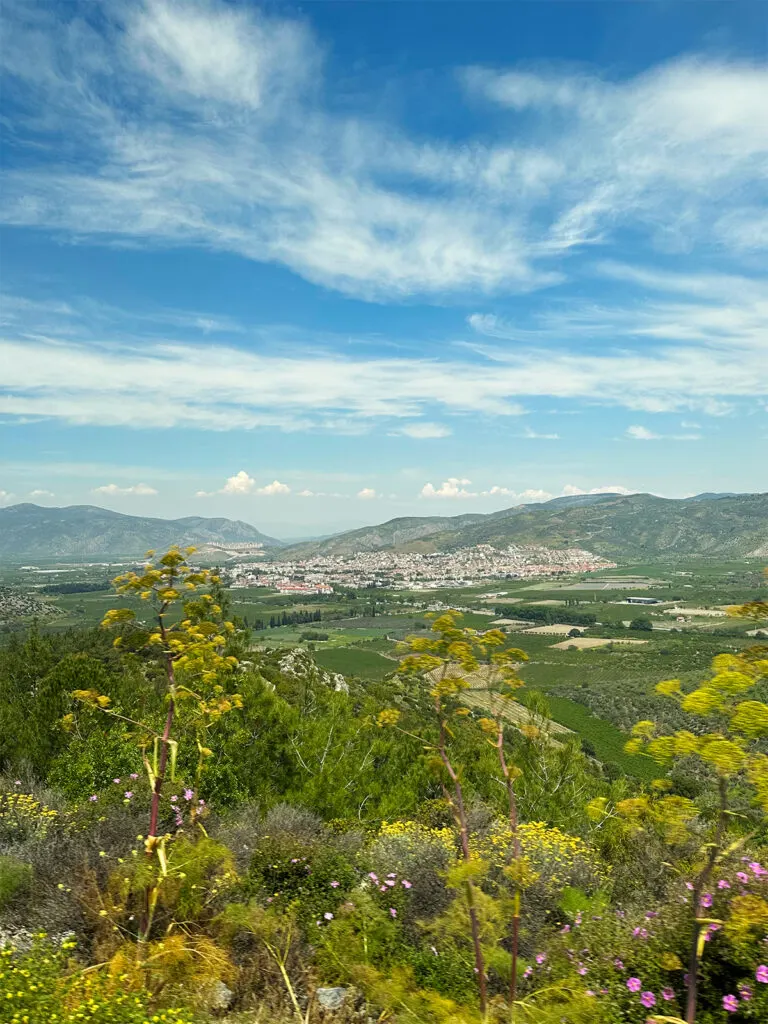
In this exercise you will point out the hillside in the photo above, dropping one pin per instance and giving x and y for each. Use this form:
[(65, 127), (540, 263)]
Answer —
[(30, 531), (632, 526)]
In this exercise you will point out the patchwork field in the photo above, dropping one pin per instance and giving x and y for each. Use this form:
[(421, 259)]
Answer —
[(584, 643)]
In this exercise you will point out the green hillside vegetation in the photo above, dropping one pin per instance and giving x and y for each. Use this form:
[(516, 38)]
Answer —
[(199, 827)]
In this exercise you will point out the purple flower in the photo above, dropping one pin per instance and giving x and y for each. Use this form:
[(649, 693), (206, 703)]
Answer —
[(745, 992), (406, 884), (526, 973), (565, 929), (393, 912), (761, 974), (706, 899), (328, 915), (723, 884), (188, 794), (742, 876), (373, 876), (390, 882), (334, 884), (757, 870), (634, 984), (93, 798), (689, 885), (582, 970), (640, 933), (648, 999), (540, 958), (730, 1003), (383, 888), (667, 993), (128, 794)]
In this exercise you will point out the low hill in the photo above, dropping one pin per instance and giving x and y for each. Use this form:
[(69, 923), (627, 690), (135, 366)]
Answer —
[(33, 532), (615, 526)]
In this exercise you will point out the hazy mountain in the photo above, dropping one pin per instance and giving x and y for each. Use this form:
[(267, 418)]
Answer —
[(621, 526), (32, 531)]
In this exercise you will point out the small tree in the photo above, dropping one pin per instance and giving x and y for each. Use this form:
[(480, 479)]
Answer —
[(191, 656), (444, 661)]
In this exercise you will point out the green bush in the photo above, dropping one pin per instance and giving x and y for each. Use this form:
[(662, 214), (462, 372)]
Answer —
[(15, 879)]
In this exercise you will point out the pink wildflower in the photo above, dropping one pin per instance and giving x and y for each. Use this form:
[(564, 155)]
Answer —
[(706, 899), (406, 884), (174, 798), (667, 994), (128, 794), (648, 999), (116, 781), (730, 1003), (723, 884), (134, 775), (761, 974), (393, 912), (93, 798), (619, 964), (582, 970), (634, 984), (328, 915), (742, 876), (188, 794), (540, 958), (334, 885), (745, 992)]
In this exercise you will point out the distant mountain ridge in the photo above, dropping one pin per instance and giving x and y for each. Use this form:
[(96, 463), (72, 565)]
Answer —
[(615, 526), (32, 531)]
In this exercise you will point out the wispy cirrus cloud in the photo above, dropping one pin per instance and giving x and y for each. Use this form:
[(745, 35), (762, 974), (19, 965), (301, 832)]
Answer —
[(203, 124)]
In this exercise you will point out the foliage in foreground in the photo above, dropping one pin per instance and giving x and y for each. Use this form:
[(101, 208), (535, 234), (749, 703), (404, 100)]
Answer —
[(208, 836)]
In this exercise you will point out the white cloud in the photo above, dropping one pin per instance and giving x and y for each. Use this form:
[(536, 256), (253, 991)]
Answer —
[(532, 434), (571, 489), (40, 493), (6, 497), (274, 488), (638, 433), (453, 487), (115, 491), (306, 494), (535, 495), (225, 115), (424, 431), (241, 483), (367, 493)]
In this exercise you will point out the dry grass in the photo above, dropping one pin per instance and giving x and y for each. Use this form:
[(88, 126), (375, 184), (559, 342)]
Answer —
[(584, 643), (555, 630)]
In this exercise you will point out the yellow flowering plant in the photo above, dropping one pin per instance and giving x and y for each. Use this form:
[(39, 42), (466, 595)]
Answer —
[(726, 734), (187, 640)]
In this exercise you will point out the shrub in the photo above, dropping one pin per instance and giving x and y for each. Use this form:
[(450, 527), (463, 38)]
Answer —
[(15, 879), (44, 985)]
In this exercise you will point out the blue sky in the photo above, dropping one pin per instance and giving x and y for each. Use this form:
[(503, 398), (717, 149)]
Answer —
[(314, 266)]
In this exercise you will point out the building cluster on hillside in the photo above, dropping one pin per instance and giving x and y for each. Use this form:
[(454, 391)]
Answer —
[(411, 571)]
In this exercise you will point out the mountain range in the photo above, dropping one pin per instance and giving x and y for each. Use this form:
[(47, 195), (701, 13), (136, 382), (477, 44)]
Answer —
[(31, 531), (616, 526)]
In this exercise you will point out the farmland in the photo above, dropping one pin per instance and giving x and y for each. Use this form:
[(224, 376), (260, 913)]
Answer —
[(598, 678)]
